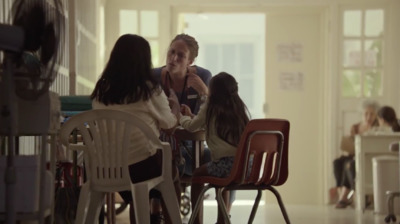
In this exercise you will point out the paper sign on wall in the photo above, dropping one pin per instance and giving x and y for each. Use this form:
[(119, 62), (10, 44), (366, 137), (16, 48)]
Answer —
[(291, 81), (290, 52)]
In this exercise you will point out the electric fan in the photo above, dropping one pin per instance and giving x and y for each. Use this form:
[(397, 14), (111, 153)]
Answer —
[(30, 43)]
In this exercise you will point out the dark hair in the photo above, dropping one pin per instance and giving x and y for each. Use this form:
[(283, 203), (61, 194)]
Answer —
[(127, 77), (389, 116), (191, 44), (226, 109)]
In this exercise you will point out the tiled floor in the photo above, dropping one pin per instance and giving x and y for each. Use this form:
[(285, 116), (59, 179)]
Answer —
[(298, 214)]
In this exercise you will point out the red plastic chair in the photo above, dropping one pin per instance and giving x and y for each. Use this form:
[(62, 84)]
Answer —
[(261, 162)]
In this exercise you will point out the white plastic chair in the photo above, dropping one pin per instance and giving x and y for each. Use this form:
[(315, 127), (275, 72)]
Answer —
[(106, 136), (391, 217)]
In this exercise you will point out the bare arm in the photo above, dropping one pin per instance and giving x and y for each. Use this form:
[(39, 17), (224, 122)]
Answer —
[(195, 123), (196, 83)]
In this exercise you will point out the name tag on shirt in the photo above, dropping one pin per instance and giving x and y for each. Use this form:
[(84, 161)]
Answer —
[(194, 96)]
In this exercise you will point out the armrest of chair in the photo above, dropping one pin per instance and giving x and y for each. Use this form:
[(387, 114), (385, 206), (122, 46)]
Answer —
[(166, 147), (77, 147), (165, 144), (167, 158), (394, 147)]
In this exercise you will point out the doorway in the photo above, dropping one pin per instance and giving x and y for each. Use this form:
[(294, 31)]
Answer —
[(233, 43)]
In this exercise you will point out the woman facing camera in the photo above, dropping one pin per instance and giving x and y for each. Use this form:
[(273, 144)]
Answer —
[(190, 83)]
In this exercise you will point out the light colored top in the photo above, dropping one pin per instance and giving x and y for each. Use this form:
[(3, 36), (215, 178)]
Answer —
[(384, 129), (218, 147), (155, 112)]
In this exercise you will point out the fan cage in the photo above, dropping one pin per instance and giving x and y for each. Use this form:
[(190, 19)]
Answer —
[(34, 70)]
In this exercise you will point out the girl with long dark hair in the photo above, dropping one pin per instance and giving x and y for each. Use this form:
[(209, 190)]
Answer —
[(224, 116), (127, 84), (387, 119)]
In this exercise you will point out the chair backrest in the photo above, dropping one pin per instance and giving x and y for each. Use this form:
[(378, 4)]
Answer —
[(106, 136), (262, 155)]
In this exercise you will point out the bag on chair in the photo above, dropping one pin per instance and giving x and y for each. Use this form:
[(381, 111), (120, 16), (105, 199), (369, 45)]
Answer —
[(347, 144)]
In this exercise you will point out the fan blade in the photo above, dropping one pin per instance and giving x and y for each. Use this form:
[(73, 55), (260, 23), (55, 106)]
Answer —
[(48, 44), (33, 21)]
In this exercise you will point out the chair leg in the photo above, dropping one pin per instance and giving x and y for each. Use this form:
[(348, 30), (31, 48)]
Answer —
[(281, 205), (222, 206), (83, 204), (390, 197), (255, 207), (96, 203), (89, 205), (110, 201), (196, 208), (141, 203), (171, 201)]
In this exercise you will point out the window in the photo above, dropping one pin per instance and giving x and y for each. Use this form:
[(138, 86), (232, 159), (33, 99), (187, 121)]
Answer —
[(144, 23), (236, 59), (362, 53)]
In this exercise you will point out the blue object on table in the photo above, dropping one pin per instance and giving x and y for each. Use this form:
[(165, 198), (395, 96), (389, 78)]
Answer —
[(75, 104)]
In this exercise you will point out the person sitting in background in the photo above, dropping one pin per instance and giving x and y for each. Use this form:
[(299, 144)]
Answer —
[(387, 119), (344, 166)]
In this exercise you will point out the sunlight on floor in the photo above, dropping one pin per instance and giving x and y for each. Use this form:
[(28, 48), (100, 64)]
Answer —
[(298, 214), (237, 203)]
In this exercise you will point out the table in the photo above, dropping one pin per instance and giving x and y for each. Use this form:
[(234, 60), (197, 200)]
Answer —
[(197, 152), (367, 147), (197, 138)]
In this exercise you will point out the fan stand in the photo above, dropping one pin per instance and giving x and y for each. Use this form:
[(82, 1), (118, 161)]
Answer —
[(16, 122), (9, 112)]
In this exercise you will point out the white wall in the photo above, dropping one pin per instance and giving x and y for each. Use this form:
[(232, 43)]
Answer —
[(300, 100)]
